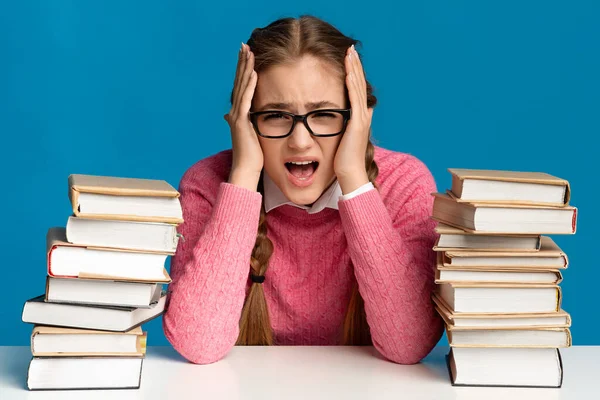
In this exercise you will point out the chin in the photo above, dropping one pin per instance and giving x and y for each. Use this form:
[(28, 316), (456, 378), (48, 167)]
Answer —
[(303, 196)]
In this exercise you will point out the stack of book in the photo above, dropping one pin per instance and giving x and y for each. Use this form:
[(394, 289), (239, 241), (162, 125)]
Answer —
[(498, 276), (105, 278)]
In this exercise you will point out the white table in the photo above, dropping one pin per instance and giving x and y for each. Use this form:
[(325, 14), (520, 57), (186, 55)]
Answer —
[(304, 372)]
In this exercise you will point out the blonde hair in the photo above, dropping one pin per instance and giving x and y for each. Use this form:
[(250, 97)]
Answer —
[(286, 40)]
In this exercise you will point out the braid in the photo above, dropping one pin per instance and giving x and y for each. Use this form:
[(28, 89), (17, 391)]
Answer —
[(255, 326)]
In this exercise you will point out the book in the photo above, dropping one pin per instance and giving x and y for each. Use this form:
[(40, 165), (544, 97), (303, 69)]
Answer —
[(493, 218), (134, 199), (102, 292), (558, 319), (61, 373), (128, 235), (540, 337), (105, 318), (451, 238), (49, 341), (500, 298), (476, 185), (512, 367), (550, 256), (444, 275), (68, 260)]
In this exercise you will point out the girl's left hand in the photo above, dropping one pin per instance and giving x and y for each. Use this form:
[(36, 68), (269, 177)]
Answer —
[(349, 162)]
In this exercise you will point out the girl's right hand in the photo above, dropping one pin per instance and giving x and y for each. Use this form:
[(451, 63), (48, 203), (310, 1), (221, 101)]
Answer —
[(248, 159)]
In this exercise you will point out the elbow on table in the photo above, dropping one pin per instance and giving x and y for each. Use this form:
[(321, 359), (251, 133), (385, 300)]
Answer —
[(199, 348), (407, 356), (201, 358)]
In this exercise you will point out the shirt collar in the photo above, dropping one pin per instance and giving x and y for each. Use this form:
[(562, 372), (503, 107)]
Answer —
[(274, 197)]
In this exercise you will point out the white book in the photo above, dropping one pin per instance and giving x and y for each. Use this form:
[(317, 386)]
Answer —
[(128, 235), (500, 298), (460, 321), (520, 367), (69, 260), (50, 341), (135, 199), (451, 238), (93, 204), (106, 318), (55, 373), (550, 256), (102, 292), (516, 321), (547, 337), (492, 276), (493, 218), (476, 185)]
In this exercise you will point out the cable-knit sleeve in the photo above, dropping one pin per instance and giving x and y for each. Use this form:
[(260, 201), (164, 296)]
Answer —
[(390, 237), (210, 268)]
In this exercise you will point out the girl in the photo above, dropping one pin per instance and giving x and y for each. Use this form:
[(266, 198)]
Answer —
[(304, 233)]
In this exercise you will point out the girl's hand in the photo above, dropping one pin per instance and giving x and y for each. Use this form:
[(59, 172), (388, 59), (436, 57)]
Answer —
[(349, 162), (248, 159)]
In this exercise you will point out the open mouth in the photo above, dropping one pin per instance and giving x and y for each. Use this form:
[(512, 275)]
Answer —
[(302, 170)]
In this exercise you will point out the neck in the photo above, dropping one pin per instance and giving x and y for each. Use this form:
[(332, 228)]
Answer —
[(324, 190)]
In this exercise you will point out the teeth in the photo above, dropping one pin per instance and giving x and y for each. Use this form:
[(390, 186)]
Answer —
[(301, 162)]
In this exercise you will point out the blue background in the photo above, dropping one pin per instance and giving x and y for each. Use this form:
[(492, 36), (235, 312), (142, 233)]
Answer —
[(139, 89)]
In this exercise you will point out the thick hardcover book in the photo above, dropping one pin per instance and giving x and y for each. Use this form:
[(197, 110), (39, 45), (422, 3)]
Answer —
[(131, 199), (103, 318), (84, 373), (537, 188), (510, 218), (543, 370)]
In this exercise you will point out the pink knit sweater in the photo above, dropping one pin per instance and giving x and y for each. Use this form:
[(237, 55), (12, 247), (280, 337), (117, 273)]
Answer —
[(382, 239)]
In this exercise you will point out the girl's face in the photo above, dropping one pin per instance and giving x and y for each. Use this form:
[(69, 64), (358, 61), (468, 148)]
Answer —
[(300, 87)]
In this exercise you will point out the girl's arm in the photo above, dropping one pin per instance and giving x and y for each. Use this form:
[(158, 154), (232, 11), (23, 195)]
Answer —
[(390, 243), (210, 269)]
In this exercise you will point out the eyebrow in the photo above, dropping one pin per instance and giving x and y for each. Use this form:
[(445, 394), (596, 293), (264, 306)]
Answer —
[(309, 106)]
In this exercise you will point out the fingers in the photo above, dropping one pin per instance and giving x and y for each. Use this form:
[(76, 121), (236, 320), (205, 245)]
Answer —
[(355, 70), (352, 83), (355, 103), (359, 69), (245, 74), (246, 100), (238, 67), (238, 75)]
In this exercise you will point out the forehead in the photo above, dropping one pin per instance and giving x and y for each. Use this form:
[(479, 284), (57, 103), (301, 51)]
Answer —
[(306, 80)]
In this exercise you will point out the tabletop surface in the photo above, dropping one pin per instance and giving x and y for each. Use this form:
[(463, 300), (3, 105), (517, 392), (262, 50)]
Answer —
[(304, 372)]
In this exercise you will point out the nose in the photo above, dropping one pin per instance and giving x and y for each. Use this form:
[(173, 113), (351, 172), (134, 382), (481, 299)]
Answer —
[(300, 139)]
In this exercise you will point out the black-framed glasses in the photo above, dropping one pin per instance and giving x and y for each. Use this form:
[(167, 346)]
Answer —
[(280, 124)]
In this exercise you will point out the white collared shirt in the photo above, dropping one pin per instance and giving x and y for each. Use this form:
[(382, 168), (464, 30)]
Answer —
[(274, 197)]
